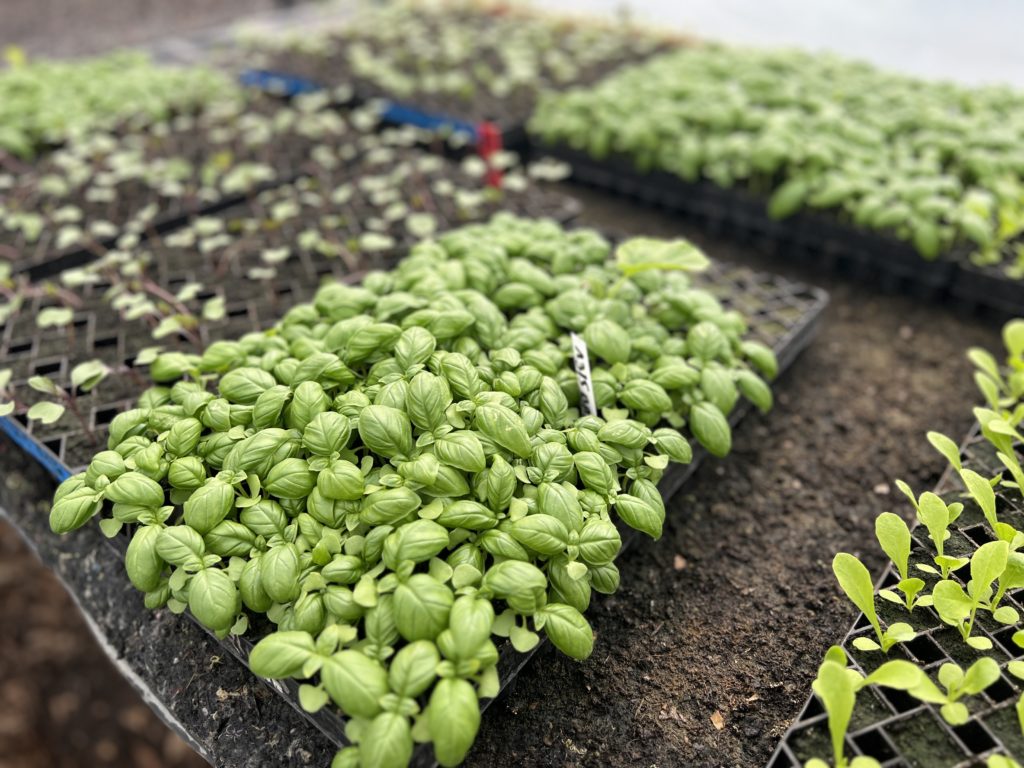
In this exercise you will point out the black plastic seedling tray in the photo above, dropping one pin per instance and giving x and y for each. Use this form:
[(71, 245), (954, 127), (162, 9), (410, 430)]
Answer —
[(988, 288), (816, 238), (896, 729), (782, 314)]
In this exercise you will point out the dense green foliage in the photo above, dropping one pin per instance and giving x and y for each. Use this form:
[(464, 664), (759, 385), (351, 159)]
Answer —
[(931, 163), (44, 103), (398, 471)]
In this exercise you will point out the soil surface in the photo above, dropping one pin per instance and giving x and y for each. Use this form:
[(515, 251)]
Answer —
[(707, 652), (62, 703)]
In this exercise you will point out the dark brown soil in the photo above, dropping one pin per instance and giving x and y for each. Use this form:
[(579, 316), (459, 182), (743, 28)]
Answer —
[(61, 702), (719, 622)]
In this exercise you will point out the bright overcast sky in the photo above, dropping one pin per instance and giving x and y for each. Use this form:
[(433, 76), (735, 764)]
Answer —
[(979, 41)]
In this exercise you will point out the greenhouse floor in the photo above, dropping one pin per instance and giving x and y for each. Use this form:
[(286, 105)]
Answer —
[(707, 650)]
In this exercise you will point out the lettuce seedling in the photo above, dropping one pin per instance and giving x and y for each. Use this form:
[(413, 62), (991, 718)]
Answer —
[(855, 580), (936, 516), (979, 676), (894, 537), (959, 608), (836, 686), (983, 494)]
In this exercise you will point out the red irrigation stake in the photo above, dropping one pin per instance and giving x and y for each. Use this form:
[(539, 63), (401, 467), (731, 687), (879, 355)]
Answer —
[(488, 142)]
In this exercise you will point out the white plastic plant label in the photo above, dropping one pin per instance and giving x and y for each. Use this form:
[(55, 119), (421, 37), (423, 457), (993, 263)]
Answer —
[(581, 363)]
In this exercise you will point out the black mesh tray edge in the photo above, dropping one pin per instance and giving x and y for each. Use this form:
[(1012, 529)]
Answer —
[(881, 736)]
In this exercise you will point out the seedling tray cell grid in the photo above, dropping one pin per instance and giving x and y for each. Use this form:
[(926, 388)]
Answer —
[(897, 730)]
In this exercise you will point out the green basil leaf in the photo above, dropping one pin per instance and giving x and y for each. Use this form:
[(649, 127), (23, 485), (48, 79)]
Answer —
[(214, 599), (413, 668), (568, 630), (421, 607), (279, 573), (638, 514), (504, 427), (608, 340), (453, 715), (461, 449), (75, 509), (711, 429), (135, 488), (544, 534), (386, 742), (244, 385), (355, 682), (141, 561), (290, 479), (385, 431), (281, 654), (208, 505)]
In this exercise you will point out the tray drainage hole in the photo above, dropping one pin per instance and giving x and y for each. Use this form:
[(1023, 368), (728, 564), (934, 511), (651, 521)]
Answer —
[(80, 322), (975, 737), (205, 295), (862, 623), (1005, 638), (925, 650), (1000, 691), (813, 709), (782, 760), (874, 744), (44, 369), (106, 341), (239, 311), (19, 347), (105, 415), (979, 534), (900, 700), (284, 290), (54, 445), (892, 578), (323, 269)]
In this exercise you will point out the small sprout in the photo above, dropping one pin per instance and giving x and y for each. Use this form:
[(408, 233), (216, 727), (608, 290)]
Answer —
[(855, 581), (45, 412), (213, 309), (979, 676), (936, 516), (85, 376), (836, 686), (55, 317), (894, 537), (275, 255), (959, 608)]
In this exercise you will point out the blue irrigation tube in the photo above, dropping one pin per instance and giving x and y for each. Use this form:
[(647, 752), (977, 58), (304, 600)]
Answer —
[(283, 84), (278, 82), (50, 463), (407, 115)]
